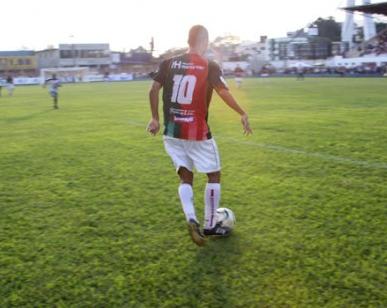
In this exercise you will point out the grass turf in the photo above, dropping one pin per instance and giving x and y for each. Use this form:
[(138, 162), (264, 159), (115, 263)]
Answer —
[(89, 213)]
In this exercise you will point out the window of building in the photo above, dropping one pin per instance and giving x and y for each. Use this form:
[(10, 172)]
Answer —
[(94, 54), (69, 54)]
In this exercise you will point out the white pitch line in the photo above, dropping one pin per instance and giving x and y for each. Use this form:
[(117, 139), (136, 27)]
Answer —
[(327, 157), (137, 123), (281, 149)]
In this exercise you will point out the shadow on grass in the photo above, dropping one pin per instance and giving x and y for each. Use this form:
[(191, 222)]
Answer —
[(211, 274), (25, 117)]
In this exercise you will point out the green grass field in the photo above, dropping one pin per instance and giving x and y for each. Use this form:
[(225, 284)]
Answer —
[(90, 217)]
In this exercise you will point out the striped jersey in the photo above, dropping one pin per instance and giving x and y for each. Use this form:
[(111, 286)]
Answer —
[(188, 82), (54, 84)]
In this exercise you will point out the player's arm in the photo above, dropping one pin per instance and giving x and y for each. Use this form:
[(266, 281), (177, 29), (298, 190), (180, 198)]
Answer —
[(45, 83), (219, 84), (158, 82), (154, 123), (230, 101)]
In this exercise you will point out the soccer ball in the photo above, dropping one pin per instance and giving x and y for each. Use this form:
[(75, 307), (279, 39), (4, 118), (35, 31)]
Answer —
[(225, 217)]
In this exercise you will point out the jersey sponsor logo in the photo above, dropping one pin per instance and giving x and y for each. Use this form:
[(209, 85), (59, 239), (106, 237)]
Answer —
[(185, 119), (180, 115), (178, 64), (182, 112)]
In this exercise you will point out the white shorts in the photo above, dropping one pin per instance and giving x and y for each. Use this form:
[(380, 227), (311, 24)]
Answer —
[(54, 93), (203, 155)]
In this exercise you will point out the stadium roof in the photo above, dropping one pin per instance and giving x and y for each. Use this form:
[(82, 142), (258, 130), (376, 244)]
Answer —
[(377, 8), (17, 53)]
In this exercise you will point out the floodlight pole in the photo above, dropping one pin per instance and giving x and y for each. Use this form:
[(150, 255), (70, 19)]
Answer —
[(348, 26), (369, 24), (73, 53), (73, 50)]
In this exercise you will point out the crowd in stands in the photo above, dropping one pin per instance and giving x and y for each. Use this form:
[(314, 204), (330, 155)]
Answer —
[(377, 48)]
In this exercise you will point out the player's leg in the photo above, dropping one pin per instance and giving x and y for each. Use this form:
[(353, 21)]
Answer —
[(54, 96), (186, 193), (184, 166), (206, 159), (187, 201), (211, 199), (56, 101), (237, 82)]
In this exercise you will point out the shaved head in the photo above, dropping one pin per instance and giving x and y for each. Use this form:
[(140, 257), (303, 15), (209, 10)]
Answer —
[(197, 35)]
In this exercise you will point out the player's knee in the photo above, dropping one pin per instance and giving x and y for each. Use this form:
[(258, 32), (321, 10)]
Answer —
[(214, 177), (186, 176)]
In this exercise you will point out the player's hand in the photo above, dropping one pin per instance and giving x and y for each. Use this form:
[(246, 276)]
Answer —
[(246, 125), (153, 127)]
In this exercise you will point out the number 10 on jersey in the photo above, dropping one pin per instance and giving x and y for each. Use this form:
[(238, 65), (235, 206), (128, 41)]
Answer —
[(183, 89)]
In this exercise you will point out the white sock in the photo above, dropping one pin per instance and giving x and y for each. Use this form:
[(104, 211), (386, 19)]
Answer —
[(186, 198), (211, 201)]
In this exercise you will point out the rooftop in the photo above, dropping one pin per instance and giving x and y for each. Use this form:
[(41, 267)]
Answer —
[(377, 8), (17, 53)]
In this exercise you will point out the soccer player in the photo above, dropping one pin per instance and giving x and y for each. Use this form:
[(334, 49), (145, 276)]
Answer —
[(1, 85), (300, 73), (54, 84), (238, 76), (188, 81), (9, 85)]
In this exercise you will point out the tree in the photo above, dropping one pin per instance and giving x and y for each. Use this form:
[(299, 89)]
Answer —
[(226, 40), (173, 52), (328, 28)]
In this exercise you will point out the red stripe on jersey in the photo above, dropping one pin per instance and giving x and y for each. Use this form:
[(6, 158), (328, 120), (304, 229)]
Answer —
[(198, 129)]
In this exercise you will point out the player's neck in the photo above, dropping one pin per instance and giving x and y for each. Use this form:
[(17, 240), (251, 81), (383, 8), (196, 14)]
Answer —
[(195, 51)]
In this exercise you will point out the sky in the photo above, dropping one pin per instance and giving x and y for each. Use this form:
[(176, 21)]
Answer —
[(126, 24)]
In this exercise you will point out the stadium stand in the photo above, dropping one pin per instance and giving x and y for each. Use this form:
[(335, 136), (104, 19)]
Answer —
[(377, 8), (377, 46)]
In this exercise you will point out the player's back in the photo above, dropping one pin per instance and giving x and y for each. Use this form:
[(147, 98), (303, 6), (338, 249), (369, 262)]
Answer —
[(185, 96), (187, 81)]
